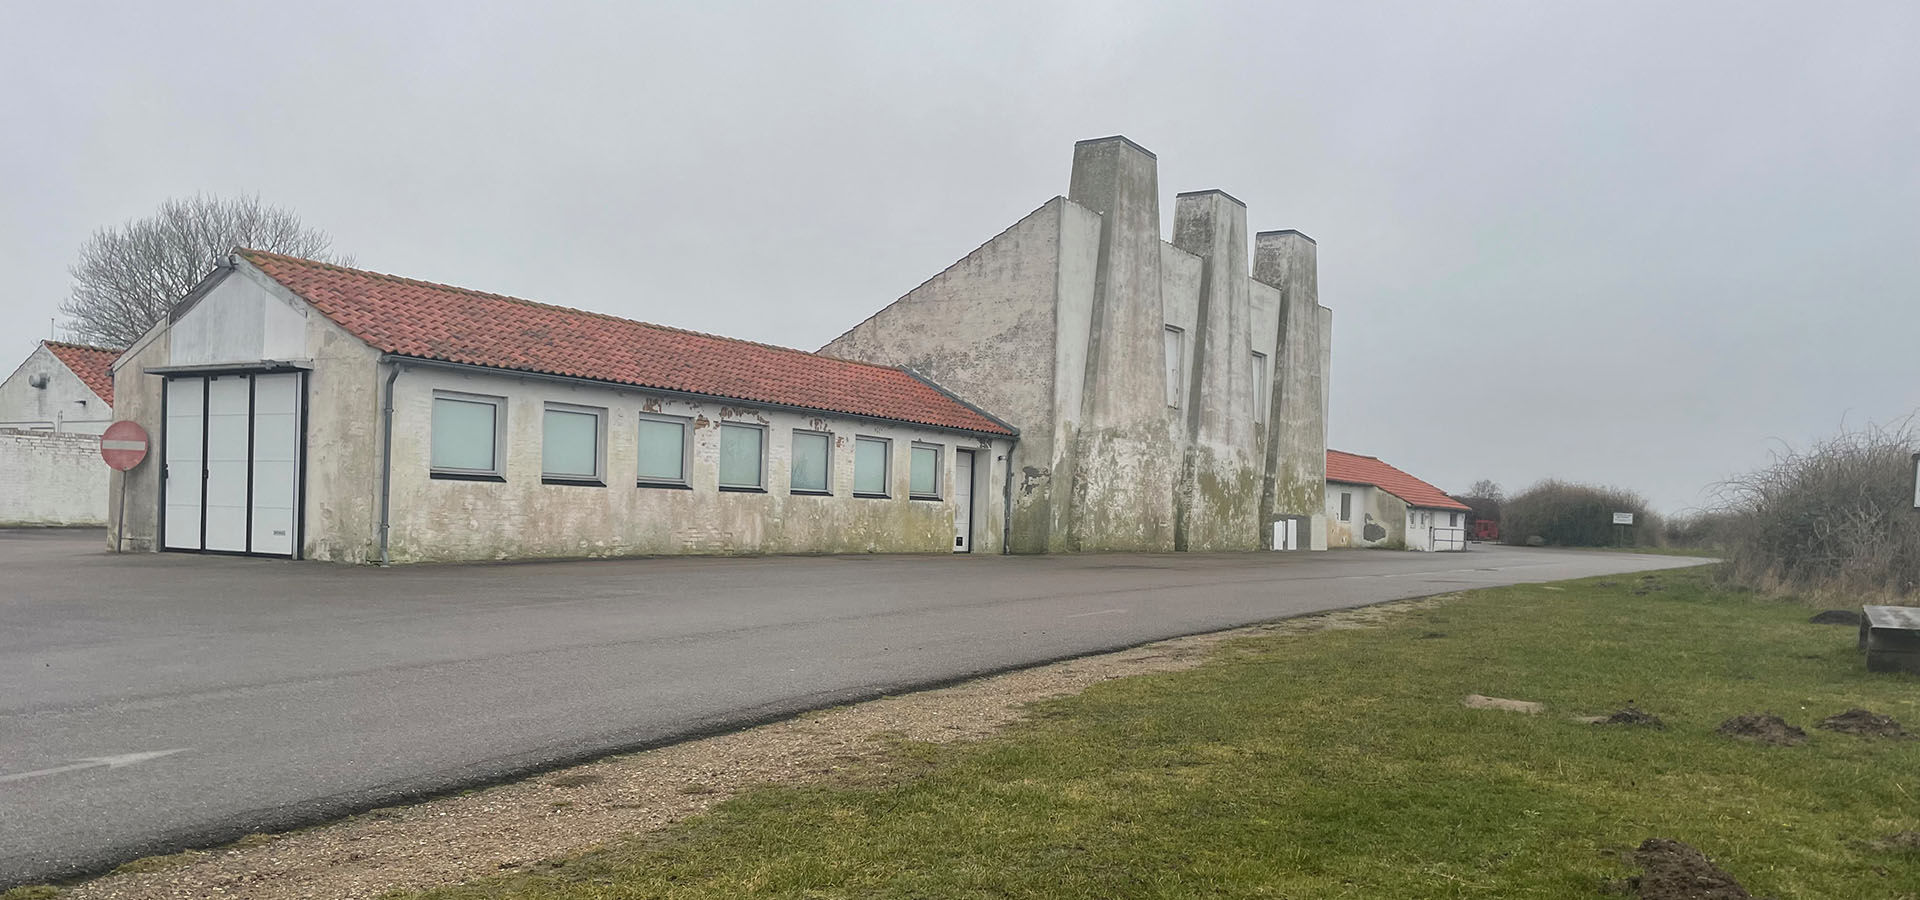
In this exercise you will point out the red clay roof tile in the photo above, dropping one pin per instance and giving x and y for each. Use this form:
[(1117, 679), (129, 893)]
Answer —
[(90, 363), (421, 319), (1352, 468)]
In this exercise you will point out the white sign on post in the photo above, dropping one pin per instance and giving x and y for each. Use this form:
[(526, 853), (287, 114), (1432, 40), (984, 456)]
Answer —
[(1623, 518)]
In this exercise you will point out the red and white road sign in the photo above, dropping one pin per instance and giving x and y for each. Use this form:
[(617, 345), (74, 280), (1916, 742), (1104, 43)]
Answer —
[(123, 445)]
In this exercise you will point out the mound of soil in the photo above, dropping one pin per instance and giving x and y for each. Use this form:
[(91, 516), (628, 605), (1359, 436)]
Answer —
[(1675, 871), (1633, 715), (1899, 840), (1863, 723), (1765, 728), (1649, 584), (1835, 617)]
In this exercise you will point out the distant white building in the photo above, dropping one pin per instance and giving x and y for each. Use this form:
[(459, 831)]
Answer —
[(1373, 504), (51, 410), (60, 387)]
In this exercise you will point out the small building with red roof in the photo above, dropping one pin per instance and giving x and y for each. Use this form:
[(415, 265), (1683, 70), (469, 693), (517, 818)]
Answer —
[(1373, 504), (60, 387)]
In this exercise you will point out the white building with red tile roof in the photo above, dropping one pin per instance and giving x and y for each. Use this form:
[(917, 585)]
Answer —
[(60, 387), (304, 409), (1373, 504)]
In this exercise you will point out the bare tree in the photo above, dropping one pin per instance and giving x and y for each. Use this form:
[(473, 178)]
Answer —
[(1487, 489), (126, 278)]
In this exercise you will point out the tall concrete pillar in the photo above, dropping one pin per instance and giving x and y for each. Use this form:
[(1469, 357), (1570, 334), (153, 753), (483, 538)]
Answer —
[(1125, 461), (1220, 488), (1296, 466)]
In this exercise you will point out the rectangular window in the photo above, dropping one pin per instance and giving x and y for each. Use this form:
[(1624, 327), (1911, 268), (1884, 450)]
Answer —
[(870, 464), (1260, 386), (1176, 365), (923, 475), (1346, 506), (570, 444), (466, 436), (1453, 520), (742, 457), (811, 452), (663, 451)]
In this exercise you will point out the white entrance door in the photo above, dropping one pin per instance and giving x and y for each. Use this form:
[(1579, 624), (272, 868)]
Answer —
[(233, 463), (276, 468), (963, 501), (185, 472), (228, 399)]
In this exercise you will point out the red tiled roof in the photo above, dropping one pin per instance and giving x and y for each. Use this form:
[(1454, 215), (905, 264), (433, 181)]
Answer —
[(1352, 468), (436, 321), (90, 363)]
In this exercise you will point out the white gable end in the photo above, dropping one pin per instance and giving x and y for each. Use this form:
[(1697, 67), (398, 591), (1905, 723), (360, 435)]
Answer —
[(240, 320)]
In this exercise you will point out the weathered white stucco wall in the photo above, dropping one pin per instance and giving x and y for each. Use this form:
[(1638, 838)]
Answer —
[(49, 478), (436, 519), (65, 401), (1379, 519)]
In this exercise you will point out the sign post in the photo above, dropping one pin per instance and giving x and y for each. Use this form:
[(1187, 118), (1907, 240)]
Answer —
[(1622, 521), (123, 445)]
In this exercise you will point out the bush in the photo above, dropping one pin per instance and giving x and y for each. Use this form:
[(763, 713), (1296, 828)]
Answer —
[(1699, 530), (1564, 514), (1837, 517)]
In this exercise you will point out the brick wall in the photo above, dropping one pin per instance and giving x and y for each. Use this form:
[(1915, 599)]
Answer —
[(51, 479)]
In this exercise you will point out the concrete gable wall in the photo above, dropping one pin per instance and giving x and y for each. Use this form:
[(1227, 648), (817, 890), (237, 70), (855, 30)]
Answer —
[(986, 329), (65, 398), (241, 319)]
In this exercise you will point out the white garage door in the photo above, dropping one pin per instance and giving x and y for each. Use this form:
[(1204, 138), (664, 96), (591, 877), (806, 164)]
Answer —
[(233, 463)]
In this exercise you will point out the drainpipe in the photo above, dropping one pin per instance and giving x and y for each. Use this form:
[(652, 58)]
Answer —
[(386, 461), (1006, 501)]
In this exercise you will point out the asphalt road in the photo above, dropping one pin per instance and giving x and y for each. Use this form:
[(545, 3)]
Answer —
[(286, 693)]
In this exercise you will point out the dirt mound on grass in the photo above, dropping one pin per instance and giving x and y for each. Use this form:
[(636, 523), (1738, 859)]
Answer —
[(1765, 728), (1863, 723), (1835, 617), (1675, 871), (1633, 715), (1899, 840)]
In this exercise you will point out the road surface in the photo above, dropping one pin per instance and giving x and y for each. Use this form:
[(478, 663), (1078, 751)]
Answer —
[(154, 702)]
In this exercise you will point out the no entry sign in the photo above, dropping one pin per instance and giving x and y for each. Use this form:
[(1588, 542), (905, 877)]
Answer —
[(123, 445)]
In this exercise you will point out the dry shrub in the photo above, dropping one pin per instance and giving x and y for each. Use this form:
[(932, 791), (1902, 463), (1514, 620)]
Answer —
[(1565, 514), (1836, 518)]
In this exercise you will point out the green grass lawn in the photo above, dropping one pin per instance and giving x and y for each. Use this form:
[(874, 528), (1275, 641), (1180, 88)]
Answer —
[(1341, 764)]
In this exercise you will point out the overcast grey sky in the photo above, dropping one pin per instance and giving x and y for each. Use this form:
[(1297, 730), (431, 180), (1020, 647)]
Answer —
[(1630, 243)]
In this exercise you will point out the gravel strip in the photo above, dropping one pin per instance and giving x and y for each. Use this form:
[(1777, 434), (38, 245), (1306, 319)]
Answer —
[(500, 828)]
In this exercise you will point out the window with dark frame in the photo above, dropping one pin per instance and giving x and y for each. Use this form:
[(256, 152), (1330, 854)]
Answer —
[(743, 451), (662, 450), (923, 472), (812, 463), (571, 449), (465, 436), (871, 464)]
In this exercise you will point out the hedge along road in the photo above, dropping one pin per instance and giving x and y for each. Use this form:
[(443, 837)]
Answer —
[(155, 702)]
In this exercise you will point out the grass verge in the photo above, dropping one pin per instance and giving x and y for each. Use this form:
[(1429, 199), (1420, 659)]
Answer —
[(1342, 764)]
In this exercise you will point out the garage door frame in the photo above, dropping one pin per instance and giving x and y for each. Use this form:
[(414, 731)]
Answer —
[(298, 523)]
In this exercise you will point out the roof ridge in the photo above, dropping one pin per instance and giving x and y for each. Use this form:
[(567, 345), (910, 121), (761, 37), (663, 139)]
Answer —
[(387, 276), (79, 346)]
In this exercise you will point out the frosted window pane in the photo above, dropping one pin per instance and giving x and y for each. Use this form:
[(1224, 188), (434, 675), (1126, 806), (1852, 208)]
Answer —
[(869, 466), (463, 434), (570, 444), (809, 462), (924, 478), (739, 456), (662, 451)]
